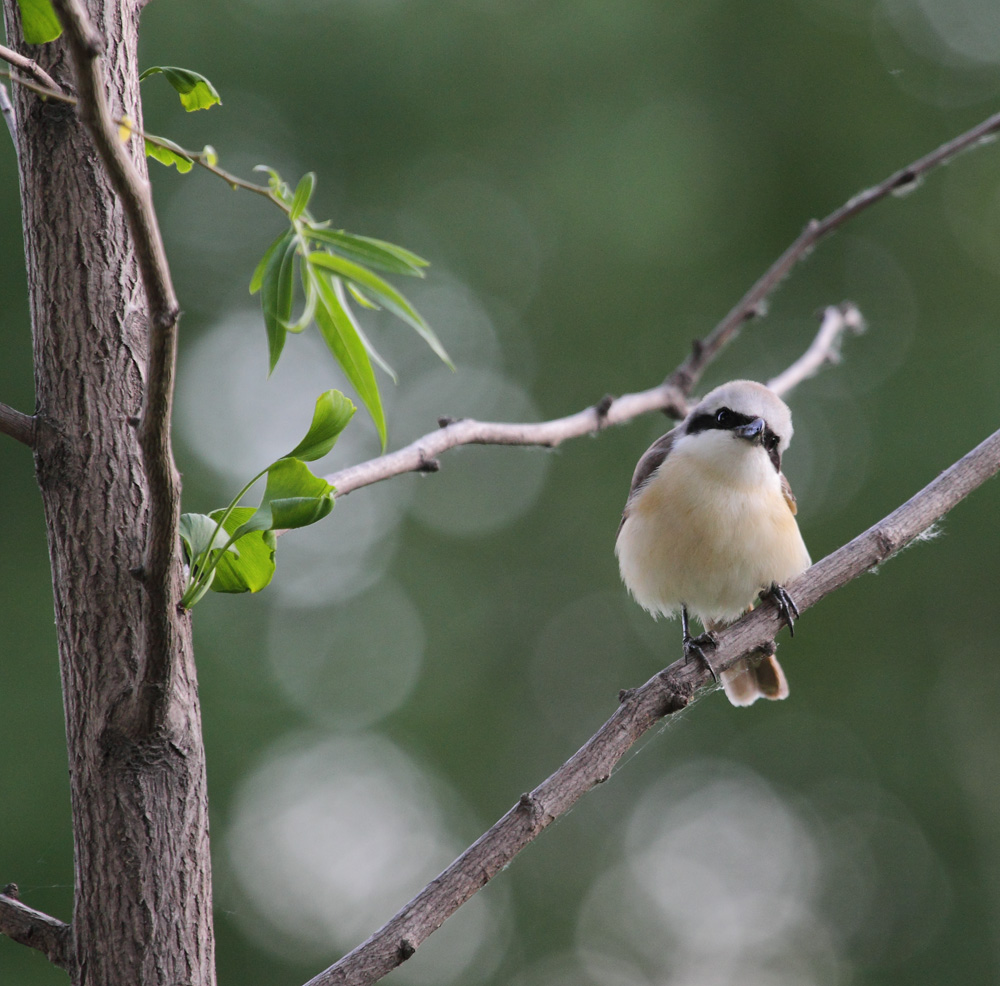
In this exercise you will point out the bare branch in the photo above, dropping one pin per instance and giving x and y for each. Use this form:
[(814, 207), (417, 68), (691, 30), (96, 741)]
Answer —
[(17, 425), (641, 708), (825, 348), (750, 305), (30, 66), (159, 563), (24, 924), (421, 455)]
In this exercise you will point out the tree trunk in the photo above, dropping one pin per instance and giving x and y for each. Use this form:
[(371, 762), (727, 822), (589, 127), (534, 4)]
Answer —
[(143, 903)]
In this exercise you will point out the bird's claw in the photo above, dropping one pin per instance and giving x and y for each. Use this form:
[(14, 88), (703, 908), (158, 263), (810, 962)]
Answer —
[(695, 647), (786, 605)]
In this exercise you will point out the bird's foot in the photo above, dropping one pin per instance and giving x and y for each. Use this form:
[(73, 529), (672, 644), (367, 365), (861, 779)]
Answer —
[(695, 647), (778, 594)]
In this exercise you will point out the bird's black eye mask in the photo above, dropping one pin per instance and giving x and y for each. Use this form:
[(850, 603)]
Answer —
[(726, 419)]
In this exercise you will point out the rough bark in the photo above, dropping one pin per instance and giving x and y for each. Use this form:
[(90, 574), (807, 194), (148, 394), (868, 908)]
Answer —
[(142, 910)]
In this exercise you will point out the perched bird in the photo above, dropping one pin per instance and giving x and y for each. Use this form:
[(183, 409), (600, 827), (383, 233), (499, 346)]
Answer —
[(710, 524)]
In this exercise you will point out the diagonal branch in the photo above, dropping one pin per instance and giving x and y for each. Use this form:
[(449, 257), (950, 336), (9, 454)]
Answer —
[(825, 348), (24, 924), (159, 562), (639, 709), (30, 67), (751, 304)]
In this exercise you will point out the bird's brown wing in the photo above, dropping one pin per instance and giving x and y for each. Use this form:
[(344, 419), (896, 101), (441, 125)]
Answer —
[(651, 460), (786, 492)]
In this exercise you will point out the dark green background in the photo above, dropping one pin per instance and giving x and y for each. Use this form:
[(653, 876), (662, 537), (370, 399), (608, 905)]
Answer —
[(595, 185)]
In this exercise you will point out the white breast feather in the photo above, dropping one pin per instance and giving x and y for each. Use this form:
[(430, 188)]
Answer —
[(709, 531)]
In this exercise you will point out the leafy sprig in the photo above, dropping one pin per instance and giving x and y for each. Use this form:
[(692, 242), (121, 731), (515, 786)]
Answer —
[(232, 549), (329, 268)]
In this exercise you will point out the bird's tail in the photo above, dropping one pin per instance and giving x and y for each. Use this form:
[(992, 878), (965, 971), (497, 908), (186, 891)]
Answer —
[(749, 679)]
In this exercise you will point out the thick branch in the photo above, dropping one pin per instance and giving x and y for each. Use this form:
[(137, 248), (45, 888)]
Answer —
[(17, 425), (36, 930), (641, 708), (159, 563)]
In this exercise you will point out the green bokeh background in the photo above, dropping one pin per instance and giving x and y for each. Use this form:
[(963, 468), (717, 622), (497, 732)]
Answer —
[(595, 185)]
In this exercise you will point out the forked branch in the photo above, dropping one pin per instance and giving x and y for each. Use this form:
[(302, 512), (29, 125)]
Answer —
[(671, 396)]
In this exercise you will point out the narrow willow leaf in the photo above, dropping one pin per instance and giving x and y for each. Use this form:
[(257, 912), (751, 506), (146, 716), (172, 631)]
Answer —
[(333, 412), (376, 253), (276, 282), (168, 153), (293, 497), (253, 568), (39, 22), (386, 294), (341, 336), (258, 274), (195, 91), (303, 193), (358, 295), (340, 290)]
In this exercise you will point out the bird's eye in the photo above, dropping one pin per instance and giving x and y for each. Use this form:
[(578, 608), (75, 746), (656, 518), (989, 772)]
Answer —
[(725, 417), (771, 442)]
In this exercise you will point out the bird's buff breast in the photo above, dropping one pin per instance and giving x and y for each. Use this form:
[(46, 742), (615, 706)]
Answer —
[(695, 539)]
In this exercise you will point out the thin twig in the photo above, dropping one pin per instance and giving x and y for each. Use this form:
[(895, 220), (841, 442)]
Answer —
[(159, 562), (421, 455), (751, 304), (30, 66), (825, 348), (666, 692), (24, 924), (196, 157), (17, 425)]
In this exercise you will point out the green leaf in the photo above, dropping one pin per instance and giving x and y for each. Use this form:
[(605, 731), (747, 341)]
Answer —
[(277, 186), (303, 193), (258, 275), (342, 339), (373, 353), (200, 534), (293, 497), (376, 253), (252, 568), (195, 91), (168, 153), (274, 279), (386, 294), (333, 412), (39, 21)]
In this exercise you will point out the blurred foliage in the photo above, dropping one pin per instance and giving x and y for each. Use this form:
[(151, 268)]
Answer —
[(595, 184)]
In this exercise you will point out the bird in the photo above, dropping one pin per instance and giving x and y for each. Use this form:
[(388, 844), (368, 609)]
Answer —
[(709, 525)]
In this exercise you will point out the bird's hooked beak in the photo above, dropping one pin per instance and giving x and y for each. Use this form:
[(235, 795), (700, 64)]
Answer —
[(752, 431)]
